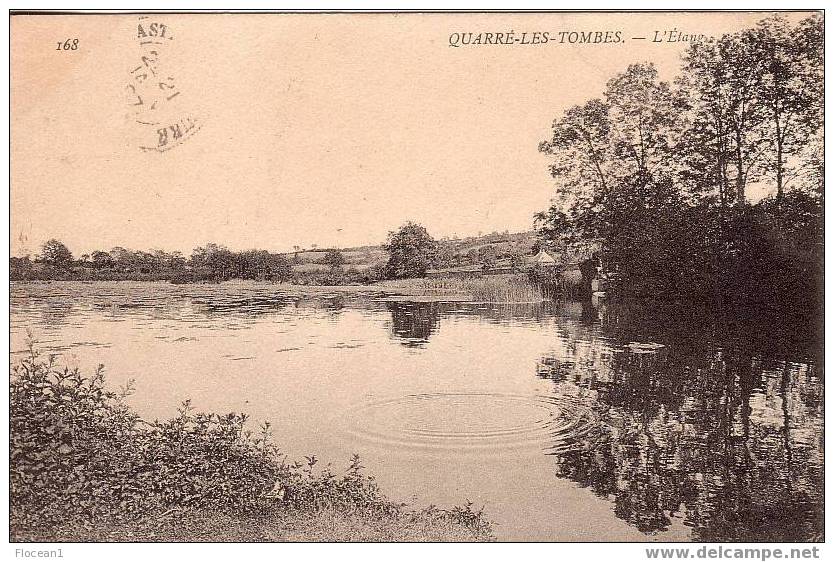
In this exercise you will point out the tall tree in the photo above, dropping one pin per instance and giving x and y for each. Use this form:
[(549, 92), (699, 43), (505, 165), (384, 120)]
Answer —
[(723, 80), (705, 149), (411, 251), (790, 89), (743, 83), (642, 130), (605, 152), (54, 252), (579, 148)]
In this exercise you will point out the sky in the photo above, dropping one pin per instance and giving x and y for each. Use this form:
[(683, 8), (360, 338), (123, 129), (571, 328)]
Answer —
[(309, 129)]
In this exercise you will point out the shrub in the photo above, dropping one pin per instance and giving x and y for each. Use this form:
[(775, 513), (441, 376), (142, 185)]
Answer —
[(333, 258), (80, 454), (73, 446)]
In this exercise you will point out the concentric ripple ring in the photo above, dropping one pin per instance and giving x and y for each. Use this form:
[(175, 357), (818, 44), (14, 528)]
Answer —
[(472, 422)]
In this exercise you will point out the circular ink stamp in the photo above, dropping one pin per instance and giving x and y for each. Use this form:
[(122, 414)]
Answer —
[(157, 105)]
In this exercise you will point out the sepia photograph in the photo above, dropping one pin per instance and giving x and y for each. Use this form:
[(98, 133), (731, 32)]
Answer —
[(417, 276)]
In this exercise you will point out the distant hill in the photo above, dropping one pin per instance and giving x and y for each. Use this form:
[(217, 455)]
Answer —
[(456, 252)]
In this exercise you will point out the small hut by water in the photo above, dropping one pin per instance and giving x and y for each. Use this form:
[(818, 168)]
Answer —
[(543, 259)]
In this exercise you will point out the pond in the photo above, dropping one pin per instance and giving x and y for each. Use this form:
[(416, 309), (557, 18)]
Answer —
[(571, 421)]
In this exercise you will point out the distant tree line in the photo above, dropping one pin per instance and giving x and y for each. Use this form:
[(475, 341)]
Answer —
[(211, 262), (654, 178), (412, 251)]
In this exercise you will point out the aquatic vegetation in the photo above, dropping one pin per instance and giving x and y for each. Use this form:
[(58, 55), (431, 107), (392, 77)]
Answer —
[(494, 288), (430, 285), (82, 460), (507, 289)]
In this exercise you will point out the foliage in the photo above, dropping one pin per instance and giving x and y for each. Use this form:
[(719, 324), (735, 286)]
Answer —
[(488, 256), (101, 259), (79, 454), (78, 451), (225, 264), (654, 177), (55, 253), (214, 263), (516, 257), (20, 269), (446, 256), (334, 258), (70, 444), (411, 251)]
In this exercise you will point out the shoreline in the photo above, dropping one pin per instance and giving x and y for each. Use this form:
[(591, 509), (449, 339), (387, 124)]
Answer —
[(193, 477), (388, 289)]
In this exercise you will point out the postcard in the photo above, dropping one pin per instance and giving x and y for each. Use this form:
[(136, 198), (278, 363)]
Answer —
[(417, 277)]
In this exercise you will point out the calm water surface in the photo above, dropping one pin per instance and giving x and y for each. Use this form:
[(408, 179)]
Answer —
[(566, 421)]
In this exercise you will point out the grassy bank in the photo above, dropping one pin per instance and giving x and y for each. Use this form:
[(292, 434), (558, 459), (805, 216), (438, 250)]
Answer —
[(271, 524), (85, 467), (494, 288)]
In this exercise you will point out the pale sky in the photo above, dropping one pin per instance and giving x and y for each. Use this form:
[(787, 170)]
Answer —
[(315, 129)]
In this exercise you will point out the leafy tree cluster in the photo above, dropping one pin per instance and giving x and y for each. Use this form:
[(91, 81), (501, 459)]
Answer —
[(412, 251), (56, 253), (334, 258), (655, 177), (211, 261), (225, 264)]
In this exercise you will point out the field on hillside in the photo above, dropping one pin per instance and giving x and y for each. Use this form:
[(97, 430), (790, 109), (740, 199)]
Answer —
[(317, 267), (456, 252)]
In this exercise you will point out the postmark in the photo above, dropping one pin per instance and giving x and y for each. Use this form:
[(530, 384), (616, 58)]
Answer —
[(159, 110)]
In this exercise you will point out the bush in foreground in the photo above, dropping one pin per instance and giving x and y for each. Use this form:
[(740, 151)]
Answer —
[(84, 466)]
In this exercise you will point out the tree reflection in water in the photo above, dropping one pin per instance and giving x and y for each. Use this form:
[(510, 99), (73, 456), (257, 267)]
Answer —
[(716, 428), (414, 322)]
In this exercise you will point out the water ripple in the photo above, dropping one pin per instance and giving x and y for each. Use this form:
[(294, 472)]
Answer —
[(482, 422)]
